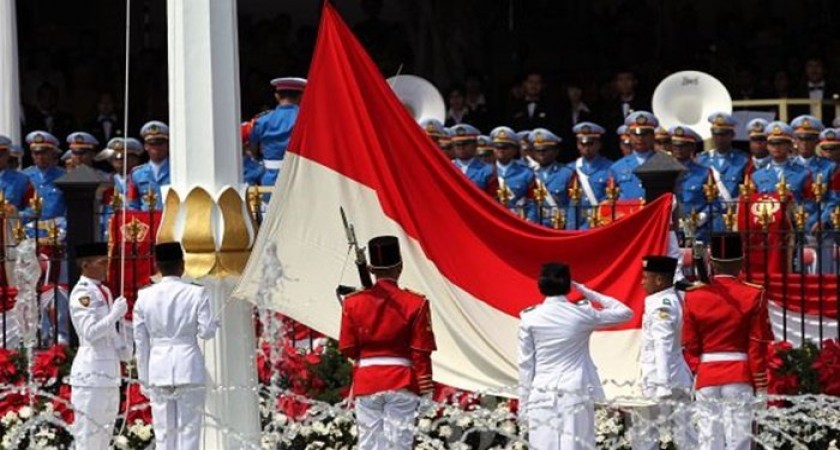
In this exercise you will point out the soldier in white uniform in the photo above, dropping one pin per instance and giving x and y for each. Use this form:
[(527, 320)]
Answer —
[(665, 378), (95, 374), (169, 318), (558, 382)]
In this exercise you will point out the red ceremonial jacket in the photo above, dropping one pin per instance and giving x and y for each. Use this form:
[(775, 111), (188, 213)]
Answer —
[(388, 321), (727, 315)]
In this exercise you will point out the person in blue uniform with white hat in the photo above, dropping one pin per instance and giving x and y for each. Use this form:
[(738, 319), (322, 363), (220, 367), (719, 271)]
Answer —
[(591, 169), (806, 131), (759, 156), (553, 178), (780, 145), (515, 180), (624, 143), (690, 194), (83, 148), (121, 154), (272, 131), (640, 126), (464, 147), (42, 174), (15, 186), (728, 165), (154, 174)]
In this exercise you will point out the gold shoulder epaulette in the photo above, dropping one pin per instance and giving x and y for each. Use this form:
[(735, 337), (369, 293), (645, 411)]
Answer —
[(695, 286), (757, 286)]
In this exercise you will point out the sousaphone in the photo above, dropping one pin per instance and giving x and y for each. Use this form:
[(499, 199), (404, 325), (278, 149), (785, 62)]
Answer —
[(419, 96), (688, 98)]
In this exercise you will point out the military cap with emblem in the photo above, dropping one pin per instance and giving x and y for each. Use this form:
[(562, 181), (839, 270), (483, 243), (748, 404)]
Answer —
[(5, 143), (806, 125), (289, 84), (384, 252), (756, 127), (778, 131), (726, 246), (542, 138), (830, 139), (641, 122), (445, 140), (659, 264), (661, 134), (66, 155), (588, 131), (118, 146), (169, 252), (683, 134), (485, 145), (432, 127), (464, 132), (154, 130), (82, 141), (504, 136), (722, 122), (41, 140), (92, 250)]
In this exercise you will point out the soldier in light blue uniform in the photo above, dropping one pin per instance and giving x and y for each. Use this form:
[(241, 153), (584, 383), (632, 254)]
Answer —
[(690, 195), (728, 165), (640, 126), (830, 146), (624, 143), (515, 180), (464, 147), (154, 174), (435, 130), (121, 154), (83, 149), (592, 171), (273, 131), (759, 157), (484, 148), (797, 177), (554, 177), (806, 131), (15, 185), (42, 174)]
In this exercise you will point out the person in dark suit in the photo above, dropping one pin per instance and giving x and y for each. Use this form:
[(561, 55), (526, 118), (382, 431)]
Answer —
[(107, 123), (534, 111), (573, 110), (459, 111), (46, 116), (814, 86), (613, 111)]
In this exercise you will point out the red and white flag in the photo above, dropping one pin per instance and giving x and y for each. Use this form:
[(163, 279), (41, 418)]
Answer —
[(356, 146)]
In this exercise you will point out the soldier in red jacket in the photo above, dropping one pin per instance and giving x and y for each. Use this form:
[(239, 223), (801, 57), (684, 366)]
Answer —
[(388, 332), (725, 339)]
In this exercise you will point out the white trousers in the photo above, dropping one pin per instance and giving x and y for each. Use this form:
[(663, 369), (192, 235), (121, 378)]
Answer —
[(562, 426), (385, 420), (177, 416), (725, 416), (674, 415), (96, 410)]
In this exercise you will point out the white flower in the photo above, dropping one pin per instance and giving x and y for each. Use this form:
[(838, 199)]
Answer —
[(10, 418), (509, 427), (424, 425), (25, 412), (121, 442), (464, 421), (445, 431), (319, 428)]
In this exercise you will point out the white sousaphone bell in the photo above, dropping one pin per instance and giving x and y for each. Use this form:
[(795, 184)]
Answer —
[(419, 96), (688, 98)]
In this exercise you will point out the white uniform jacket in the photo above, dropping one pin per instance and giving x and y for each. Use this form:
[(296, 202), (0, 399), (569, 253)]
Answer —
[(169, 318), (101, 346), (554, 353), (662, 362)]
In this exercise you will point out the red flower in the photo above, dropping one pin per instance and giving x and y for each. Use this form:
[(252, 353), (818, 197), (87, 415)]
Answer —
[(61, 404), (8, 370), (827, 365), (787, 384), (47, 362), (137, 405), (12, 401), (777, 351), (291, 407)]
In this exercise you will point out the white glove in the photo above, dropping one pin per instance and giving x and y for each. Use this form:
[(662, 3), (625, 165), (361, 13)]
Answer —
[(118, 309), (215, 324)]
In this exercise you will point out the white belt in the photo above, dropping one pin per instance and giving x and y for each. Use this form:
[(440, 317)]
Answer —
[(384, 361), (723, 356), (174, 341), (273, 164)]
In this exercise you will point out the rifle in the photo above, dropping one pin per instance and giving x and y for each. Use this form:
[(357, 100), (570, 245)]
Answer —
[(353, 243), (698, 255)]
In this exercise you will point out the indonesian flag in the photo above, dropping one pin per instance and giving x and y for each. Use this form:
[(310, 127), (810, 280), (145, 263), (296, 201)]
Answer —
[(356, 146)]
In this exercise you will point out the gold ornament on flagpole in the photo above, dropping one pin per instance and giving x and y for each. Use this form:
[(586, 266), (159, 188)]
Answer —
[(151, 199), (782, 188), (574, 191), (503, 193), (800, 217), (835, 218), (819, 188), (710, 189), (253, 198), (730, 218), (558, 219), (540, 193), (747, 188)]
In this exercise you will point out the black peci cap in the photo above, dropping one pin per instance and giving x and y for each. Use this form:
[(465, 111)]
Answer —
[(384, 252)]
